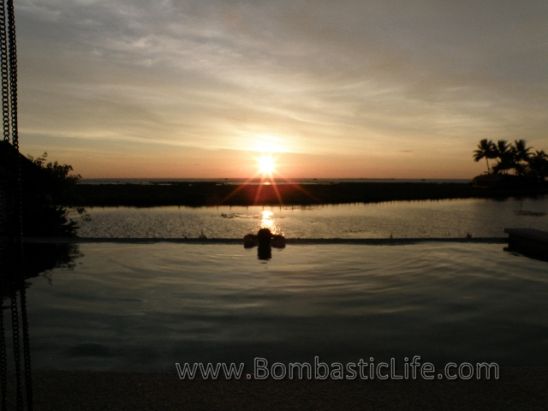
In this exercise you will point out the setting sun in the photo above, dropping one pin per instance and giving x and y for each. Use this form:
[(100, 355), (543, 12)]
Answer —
[(266, 165)]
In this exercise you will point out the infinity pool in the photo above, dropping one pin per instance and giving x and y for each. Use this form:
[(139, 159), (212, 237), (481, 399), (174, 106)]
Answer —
[(145, 306)]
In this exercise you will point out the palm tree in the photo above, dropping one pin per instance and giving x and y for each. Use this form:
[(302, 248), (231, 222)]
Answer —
[(520, 154), (521, 151), (505, 156), (502, 148), (486, 149), (538, 164)]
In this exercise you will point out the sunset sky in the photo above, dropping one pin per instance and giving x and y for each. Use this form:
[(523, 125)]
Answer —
[(346, 88)]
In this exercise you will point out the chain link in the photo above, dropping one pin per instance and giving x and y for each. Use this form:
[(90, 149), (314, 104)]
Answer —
[(16, 283), (12, 53), (4, 71)]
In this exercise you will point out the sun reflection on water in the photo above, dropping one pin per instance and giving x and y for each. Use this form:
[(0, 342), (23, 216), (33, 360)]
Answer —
[(267, 221)]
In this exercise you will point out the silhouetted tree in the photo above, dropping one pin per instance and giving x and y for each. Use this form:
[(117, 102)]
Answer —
[(516, 157), (520, 156), (505, 156), (45, 188), (486, 150), (538, 165)]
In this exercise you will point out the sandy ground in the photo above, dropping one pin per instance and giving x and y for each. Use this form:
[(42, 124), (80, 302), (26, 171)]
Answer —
[(517, 389)]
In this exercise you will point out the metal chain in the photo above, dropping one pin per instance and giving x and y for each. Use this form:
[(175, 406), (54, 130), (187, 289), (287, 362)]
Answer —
[(10, 123), (12, 51), (6, 137), (4, 70)]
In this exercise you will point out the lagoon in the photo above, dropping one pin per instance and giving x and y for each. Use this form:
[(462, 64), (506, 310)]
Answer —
[(402, 219)]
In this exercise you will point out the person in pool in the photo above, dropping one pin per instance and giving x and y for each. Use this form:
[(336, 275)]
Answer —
[(265, 240)]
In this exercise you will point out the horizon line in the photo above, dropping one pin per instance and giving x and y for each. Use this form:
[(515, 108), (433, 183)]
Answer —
[(275, 178)]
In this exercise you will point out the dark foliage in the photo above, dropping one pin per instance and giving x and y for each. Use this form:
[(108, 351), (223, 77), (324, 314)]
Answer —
[(211, 194), (514, 159), (44, 189)]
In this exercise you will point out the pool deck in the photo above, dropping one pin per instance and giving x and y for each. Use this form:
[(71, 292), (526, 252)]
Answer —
[(517, 389), (528, 241)]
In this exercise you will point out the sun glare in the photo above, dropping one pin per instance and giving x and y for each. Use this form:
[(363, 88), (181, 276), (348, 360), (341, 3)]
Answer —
[(266, 165)]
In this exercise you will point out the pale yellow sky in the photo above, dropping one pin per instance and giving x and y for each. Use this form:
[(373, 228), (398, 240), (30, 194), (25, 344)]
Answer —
[(378, 89)]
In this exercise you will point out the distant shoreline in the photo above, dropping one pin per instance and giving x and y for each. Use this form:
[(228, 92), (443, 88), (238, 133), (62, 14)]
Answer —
[(199, 193), (238, 181)]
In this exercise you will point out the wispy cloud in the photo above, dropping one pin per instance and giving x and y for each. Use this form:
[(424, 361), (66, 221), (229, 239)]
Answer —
[(346, 78)]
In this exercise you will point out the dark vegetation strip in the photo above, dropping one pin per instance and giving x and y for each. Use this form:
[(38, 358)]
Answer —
[(212, 194)]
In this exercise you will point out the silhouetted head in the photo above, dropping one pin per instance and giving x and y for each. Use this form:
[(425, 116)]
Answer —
[(264, 236)]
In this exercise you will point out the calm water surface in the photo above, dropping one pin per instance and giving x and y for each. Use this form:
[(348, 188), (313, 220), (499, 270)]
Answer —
[(143, 307), (446, 218)]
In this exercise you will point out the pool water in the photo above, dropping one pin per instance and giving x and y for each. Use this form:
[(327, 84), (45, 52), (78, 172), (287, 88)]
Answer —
[(146, 306)]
